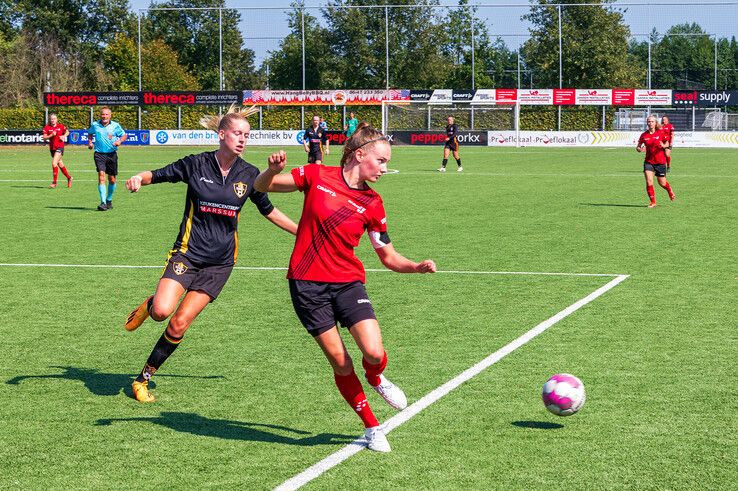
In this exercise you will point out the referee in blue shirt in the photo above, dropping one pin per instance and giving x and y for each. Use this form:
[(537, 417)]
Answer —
[(105, 136)]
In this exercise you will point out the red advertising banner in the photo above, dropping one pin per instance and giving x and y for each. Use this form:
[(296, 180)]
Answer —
[(623, 97), (506, 96), (564, 97), (594, 97), (655, 97), (536, 97)]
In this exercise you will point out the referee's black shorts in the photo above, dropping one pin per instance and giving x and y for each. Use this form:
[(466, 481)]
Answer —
[(107, 163), (320, 306)]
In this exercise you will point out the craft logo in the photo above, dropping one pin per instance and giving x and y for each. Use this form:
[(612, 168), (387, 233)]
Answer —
[(240, 189)]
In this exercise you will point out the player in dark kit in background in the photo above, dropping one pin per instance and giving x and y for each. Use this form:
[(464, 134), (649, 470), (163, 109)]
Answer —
[(326, 278), (451, 145), (313, 141), (652, 142), (668, 130), (56, 133), (203, 256)]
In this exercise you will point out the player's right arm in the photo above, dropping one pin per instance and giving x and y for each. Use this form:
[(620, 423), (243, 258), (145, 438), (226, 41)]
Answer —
[(272, 179), (306, 142)]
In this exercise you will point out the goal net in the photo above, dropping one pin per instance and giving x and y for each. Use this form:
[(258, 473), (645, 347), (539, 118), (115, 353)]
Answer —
[(419, 116)]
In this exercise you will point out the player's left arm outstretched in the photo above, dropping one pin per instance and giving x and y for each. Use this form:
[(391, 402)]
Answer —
[(394, 261)]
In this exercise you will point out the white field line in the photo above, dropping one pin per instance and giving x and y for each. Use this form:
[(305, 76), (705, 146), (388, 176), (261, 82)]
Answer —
[(271, 268), (402, 417)]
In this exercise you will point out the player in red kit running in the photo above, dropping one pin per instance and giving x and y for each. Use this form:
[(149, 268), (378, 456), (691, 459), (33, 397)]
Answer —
[(652, 142), (326, 278), (668, 130), (56, 133)]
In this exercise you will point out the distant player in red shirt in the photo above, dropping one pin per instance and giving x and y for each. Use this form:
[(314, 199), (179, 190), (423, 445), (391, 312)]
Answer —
[(326, 278), (56, 134), (668, 130), (653, 143)]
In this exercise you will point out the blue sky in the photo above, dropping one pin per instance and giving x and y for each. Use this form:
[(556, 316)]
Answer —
[(262, 29)]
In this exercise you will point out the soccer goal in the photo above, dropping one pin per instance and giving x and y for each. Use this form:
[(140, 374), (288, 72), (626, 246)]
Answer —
[(428, 116)]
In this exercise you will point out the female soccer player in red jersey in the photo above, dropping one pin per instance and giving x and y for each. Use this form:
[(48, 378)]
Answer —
[(326, 278), (203, 256), (653, 143), (57, 134), (668, 130)]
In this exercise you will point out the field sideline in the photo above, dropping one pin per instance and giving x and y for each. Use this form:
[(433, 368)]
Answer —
[(248, 401)]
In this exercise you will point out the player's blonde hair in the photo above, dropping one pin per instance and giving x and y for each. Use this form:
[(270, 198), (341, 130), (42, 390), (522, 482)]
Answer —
[(364, 137), (658, 122), (225, 121)]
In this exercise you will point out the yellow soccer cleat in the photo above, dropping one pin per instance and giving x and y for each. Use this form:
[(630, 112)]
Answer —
[(139, 314), (141, 391)]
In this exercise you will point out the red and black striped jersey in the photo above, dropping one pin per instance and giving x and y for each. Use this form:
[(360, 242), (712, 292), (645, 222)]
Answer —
[(334, 218), (208, 233)]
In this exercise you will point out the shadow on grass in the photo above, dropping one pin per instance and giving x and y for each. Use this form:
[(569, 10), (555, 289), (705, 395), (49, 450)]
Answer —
[(97, 382), (538, 425), (79, 208), (235, 430), (614, 204), (30, 187)]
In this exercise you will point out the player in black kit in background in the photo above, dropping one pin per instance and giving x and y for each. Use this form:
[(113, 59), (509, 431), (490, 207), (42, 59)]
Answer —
[(202, 258), (451, 145), (313, 141)]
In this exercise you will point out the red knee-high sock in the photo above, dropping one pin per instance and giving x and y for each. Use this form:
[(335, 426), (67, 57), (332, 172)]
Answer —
[(65, 172), (651, 194), (374, 371), (667, 186), (351, 390), (56, 173)]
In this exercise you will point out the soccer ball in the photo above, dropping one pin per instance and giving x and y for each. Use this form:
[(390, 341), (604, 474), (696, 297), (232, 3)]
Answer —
[(563, 394)]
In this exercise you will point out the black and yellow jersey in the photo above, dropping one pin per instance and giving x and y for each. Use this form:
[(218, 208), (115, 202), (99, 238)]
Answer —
[(316, 138), (209, 230), (452, 133)]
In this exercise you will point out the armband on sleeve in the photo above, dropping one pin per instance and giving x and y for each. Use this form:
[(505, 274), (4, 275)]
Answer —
[(379, 239)]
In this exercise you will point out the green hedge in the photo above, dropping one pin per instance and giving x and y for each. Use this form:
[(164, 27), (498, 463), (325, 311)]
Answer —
[(278, 118)]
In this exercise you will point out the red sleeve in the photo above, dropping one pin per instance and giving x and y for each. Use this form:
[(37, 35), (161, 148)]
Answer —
[(63, 129), (640, 140), (304, 175), (377, 218)]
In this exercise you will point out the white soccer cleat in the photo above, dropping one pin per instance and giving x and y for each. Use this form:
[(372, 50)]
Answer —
[(391, 393), (459, 169), (376, 440), (442, 169)]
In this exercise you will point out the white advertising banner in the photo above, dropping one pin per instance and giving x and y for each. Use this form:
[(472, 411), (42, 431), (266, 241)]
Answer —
[(594, 97), (207, 137), (536, 97), (485, 96), (703, 139), (655, 97)]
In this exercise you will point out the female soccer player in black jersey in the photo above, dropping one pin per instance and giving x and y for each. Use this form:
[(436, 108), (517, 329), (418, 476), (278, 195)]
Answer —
[(451, 145), (199, 264)]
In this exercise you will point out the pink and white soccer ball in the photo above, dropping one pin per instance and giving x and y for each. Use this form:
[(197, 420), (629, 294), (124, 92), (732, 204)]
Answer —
[(563, 394)]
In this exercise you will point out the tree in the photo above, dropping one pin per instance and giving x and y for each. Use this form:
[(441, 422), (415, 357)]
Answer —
[(594, 46), (684, 58), (285, 64), (194, 36), (160, 67), (492, 58)]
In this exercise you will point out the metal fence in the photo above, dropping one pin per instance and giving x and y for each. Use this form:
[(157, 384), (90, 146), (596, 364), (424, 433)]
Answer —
[(265, 28)]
